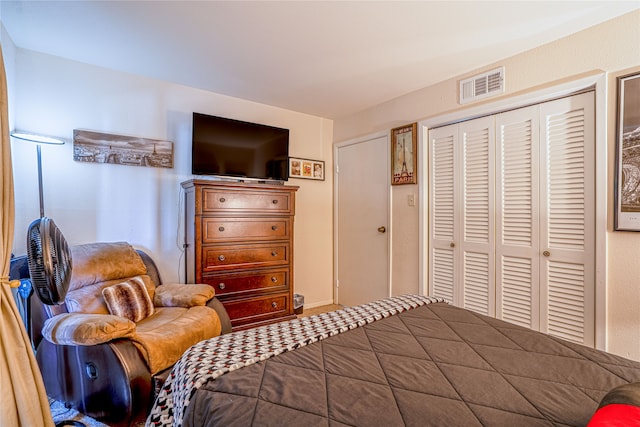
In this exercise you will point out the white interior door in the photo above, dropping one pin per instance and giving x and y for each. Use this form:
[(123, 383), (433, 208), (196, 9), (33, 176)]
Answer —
[(567, 237), (443, 233), (461, 225), (362, 216), (477, 197), (517, 212)]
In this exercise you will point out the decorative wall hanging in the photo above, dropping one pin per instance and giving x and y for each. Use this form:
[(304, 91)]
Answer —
[(627, 182), (96, 147), (305, 168), (404, 148)]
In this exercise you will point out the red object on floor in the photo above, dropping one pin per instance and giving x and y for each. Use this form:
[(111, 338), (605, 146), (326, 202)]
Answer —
[(616, 415)]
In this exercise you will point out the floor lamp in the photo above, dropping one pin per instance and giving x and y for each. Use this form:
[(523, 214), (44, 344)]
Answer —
[(38, 140), (25, 290)]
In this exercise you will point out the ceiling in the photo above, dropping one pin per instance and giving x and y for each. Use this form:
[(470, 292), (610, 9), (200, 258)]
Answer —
[(324, 58)]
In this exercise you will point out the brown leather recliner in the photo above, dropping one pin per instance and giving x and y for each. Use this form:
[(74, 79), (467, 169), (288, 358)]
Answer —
[(110, 367)]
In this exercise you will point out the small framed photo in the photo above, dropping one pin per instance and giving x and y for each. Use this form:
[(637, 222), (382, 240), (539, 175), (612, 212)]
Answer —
[(306, 168), (404, 148), (627, 182)]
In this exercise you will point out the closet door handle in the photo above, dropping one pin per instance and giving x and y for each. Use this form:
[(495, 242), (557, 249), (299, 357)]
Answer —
[(452, 245), (546, 253)]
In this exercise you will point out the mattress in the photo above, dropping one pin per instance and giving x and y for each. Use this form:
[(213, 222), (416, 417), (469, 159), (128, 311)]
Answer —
[(409, 360)]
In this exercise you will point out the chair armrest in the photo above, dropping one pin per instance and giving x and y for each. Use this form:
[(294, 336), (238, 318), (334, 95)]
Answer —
[(225, 320), (86, 329), (182, 295)]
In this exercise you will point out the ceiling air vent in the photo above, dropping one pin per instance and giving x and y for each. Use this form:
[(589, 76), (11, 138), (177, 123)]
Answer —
[(482, 86)]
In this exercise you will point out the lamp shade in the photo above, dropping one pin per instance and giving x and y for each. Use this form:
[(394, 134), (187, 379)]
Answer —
[(40, 139)]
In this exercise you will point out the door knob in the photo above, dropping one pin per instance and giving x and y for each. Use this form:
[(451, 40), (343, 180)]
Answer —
[(452, 245), (546, 253), (382, 229)]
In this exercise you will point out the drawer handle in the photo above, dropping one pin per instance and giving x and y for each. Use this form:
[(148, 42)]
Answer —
[(275, 201), (221, 285), (274, 253), (274, 227), (220, 229), (221, 258), (222, 200), (274, 304), (274, 279)]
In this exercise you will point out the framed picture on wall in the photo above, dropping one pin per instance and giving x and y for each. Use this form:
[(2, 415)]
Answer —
[(404, 148), (627, 182), (306, 168), (99, 147)]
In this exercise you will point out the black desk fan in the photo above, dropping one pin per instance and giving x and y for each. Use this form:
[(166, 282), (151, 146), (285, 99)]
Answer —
[(49, 260)]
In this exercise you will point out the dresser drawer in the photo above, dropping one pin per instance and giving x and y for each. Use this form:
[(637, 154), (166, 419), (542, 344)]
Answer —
[(225, 257), (249, 282), (216, 230), (255, 310), (221, 200)]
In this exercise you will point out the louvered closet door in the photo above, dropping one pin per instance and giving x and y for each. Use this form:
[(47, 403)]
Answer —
[(516, 238), (567, 228), (442, 233), (517, 231), (477, 288), (462, 226)]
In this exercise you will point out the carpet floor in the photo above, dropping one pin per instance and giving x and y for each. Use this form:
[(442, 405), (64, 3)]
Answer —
[(61, 413)]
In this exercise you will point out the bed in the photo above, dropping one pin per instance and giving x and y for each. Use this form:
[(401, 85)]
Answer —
[(409, 360)]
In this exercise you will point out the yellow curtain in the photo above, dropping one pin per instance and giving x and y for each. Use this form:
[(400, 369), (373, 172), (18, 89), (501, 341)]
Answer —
[(23, 400)]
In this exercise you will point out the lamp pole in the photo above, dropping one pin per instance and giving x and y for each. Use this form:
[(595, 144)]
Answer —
[(40, 180)]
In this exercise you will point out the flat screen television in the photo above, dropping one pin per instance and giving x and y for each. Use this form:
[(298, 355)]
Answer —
[(232, 148)]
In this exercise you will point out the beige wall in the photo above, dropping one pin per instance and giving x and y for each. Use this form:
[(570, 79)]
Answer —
[(612, 47), (101, 202)]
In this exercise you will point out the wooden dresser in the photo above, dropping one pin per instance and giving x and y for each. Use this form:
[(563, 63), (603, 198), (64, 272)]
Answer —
[(239, 240)]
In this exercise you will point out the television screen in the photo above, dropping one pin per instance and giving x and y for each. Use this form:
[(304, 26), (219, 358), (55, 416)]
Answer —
[(233, 148)]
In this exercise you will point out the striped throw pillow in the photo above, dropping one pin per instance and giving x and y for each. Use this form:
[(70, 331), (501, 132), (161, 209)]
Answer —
[(129, 299)]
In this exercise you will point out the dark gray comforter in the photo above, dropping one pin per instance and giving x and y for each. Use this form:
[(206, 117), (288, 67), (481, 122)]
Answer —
[(435, 365)]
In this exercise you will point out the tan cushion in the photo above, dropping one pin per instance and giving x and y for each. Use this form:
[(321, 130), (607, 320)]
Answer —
[(100, 262), (86, 329), (129, 299), (163, 337), (88, 299), (179, 295)]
